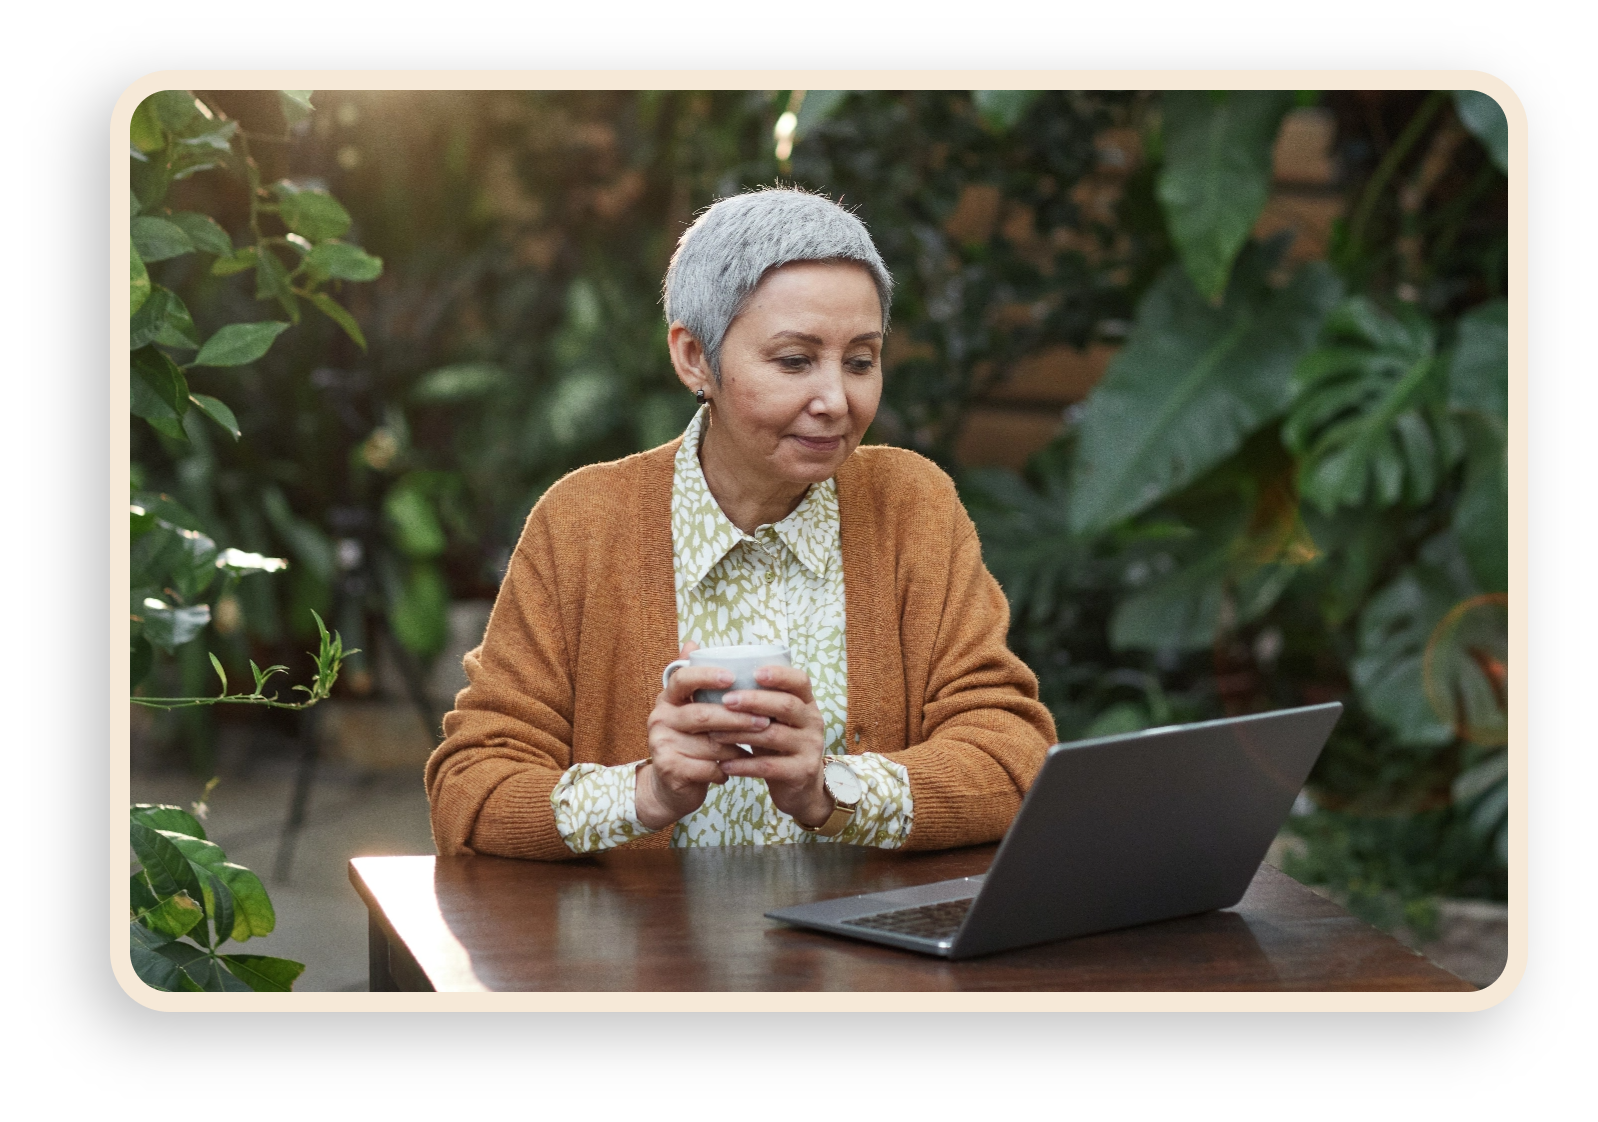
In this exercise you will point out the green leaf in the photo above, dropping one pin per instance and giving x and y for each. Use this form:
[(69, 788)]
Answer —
[(1001, 110), (175, 109), (419, 615), (218, 412), (1178, 612), (171, 556), (153, 968), (167, 869), (239, 343), (138, 281), (346, 262), (174, 916), (1387, 668), (219, 904), (198, 152), (310, 212), (463, 382), (156, 239), (1478, 780), (333, 311), (1122, 717), (158, 392), (416, 528), (1478, 371), (262, 973), (216, 664), (1367, 424), (164, 816), (164, 319), (141, 656), (309, 546), (201, 969), (272, 283), (252, 909), (144, 131), (203, 232), (168, 509), (1216, 175), (818, 106), (239, 261), (1481, 513), (168, 627), (1485, 119), (1191, 383), (296, 105)]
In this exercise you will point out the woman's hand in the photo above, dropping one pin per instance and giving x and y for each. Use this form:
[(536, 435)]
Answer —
[(684, 750), (790, 753)]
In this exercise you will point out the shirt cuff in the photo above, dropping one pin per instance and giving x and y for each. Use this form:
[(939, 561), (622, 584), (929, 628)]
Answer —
[(885, 813), (596, 808)]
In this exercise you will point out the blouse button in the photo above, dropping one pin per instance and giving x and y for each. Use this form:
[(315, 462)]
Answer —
[(771, 575)]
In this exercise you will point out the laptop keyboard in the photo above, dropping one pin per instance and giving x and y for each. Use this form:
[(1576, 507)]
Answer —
[(929, 921)]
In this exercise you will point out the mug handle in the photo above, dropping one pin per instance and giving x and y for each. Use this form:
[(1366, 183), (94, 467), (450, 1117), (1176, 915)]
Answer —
[(672, 668)]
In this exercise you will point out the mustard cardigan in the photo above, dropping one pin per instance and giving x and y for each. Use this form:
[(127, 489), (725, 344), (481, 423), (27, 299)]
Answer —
[(586, 619)]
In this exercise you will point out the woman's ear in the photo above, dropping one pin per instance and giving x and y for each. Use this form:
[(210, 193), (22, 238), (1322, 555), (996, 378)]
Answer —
[(688, 358)]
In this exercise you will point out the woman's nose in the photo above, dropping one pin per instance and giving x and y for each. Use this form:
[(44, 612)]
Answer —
[(829, 396)]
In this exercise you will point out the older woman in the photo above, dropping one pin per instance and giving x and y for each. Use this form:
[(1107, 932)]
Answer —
[(905, 722)]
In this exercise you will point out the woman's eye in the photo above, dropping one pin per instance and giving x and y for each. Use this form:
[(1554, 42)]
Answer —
[(862, 364), (793, 362)]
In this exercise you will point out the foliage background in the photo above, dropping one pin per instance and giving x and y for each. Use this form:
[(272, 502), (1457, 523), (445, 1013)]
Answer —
[(1331, 488)]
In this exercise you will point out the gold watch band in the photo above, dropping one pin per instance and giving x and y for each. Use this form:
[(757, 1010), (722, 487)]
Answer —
[(842, 812), (833, 826)]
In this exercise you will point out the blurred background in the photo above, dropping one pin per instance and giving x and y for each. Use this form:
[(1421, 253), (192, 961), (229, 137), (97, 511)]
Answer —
[(1222, 378)]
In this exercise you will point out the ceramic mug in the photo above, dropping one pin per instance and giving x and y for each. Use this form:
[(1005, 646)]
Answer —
[(742, 661)]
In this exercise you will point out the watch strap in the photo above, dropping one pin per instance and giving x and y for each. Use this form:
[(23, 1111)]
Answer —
[(842, 812)]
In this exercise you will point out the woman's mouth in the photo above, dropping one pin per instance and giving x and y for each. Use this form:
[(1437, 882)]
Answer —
[(820, 443)]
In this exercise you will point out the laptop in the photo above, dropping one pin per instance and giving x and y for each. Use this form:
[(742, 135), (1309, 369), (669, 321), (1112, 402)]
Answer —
[(1114, 832)]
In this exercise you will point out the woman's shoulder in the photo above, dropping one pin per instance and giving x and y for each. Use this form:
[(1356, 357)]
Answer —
[(897, 474)]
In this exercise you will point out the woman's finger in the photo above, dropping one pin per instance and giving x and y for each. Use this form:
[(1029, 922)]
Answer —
[(680, 772), (705, 747), (681, 685), (777, 705), (773, 769), (779, 739), (788, 679), (697, 718)]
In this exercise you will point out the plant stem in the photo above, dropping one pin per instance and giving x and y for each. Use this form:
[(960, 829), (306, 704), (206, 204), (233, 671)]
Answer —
[(1389, 165)]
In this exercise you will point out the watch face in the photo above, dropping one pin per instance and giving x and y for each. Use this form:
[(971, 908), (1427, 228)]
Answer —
[(842, 782)]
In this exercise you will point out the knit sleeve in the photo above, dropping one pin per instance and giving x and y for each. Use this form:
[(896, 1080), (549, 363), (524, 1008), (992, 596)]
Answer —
[(984, 732), (508, 740)]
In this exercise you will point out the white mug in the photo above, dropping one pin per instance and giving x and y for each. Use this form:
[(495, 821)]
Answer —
[(742, 661)]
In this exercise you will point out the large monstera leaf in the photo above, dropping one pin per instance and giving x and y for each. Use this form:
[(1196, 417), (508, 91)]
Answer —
[(1216, 174), (1370, 422), (1192, 383)]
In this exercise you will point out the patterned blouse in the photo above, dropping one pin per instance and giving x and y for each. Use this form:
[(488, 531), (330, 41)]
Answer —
[(781, 584)]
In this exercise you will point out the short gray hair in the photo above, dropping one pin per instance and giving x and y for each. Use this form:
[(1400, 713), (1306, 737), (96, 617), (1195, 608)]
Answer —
[(722, 257)]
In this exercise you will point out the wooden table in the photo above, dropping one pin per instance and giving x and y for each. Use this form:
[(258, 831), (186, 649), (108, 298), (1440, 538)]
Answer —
[(691, 919)]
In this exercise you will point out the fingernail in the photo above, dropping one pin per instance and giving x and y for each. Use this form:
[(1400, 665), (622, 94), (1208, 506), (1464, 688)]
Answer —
[(763, 674), (759, 722), (725, 678), (731, 700)]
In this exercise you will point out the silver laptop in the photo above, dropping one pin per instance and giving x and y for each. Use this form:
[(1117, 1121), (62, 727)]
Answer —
[(1113, 832)]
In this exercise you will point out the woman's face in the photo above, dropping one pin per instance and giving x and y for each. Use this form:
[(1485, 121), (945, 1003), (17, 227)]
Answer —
[(801, 372)]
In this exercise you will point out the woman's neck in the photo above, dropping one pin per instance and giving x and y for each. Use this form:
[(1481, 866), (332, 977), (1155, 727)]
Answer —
[(746, 497)]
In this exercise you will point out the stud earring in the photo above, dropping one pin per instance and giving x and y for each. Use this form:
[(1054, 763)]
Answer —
[(699, 396)]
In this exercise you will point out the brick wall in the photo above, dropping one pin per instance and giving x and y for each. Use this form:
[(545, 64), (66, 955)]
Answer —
[(1026, 410)]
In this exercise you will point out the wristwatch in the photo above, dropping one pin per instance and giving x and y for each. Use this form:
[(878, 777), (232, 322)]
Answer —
[(843, 786)]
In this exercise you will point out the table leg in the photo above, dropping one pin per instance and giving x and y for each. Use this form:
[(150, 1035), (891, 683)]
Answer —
[(379, 978)]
